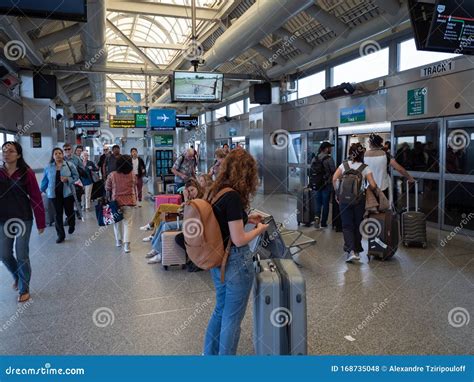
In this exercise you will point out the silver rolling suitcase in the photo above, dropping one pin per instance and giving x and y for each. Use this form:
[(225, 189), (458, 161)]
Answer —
[(172, 253), (413, 223), (280, 325)]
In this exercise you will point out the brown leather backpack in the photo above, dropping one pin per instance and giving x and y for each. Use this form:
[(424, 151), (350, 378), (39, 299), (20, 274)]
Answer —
[(202, 234)]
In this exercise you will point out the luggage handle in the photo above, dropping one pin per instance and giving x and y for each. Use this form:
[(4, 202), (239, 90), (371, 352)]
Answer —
[(416, 196)]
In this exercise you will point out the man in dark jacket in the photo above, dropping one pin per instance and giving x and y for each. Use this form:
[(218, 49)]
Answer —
[(111, 160), (322, 170)]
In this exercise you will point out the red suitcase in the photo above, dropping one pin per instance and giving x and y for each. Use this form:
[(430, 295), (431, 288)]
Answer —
[(167, 198)]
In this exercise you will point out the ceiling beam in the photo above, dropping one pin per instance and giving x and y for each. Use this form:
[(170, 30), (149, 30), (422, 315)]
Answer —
[(269, 55), (160, 9), (55, 37), (294, 39), (145, 44), (131, 44), (122, 89), (389, 6), (327, 19)]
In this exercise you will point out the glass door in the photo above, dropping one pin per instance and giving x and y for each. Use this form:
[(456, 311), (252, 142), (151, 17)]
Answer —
[(457, 205), (416, 147)]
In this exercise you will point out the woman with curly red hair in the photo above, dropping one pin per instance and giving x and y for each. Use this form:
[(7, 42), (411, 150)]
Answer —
[(239, 172)]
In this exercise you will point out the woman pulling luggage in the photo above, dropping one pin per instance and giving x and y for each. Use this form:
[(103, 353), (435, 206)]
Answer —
[(20, 198), (349, 182), (58, 180)]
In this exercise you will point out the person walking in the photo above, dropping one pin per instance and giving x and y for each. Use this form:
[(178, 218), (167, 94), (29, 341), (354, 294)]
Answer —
[(380, 162), (184, 168), (352, 213), (239, 172), (91, 176), (139, 171), (122, 186), (101, 162), (20, 198), (322, 170), (111, 160), (58, 179)]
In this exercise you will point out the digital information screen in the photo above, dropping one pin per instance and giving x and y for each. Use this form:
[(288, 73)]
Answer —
[(197, 87), (187, 121), (452, 27), (74, 10)]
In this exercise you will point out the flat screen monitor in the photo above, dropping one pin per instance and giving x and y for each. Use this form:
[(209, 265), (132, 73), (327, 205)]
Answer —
[(452, 27), (421, 14), (74, 10), (197, 86), (44, 86), (187, 121)]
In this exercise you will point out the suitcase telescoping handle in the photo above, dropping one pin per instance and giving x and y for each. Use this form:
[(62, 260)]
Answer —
[(416, 196)]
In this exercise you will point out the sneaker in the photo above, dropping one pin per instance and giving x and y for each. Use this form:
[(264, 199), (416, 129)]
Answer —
[(357, 256), (155, 259), (350, 256), (126, 247), (145, 228), (118, 243), (148, 238), (151, 254), (316, 223)]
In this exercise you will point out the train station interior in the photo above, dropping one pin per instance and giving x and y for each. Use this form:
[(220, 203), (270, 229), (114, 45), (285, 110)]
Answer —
[(282, 80)]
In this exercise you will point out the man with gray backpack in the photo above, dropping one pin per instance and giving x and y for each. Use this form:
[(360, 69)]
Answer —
[(349, 182)]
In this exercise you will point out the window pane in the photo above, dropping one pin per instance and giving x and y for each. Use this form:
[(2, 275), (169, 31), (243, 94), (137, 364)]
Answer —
[(295, 149), (10, 137), (417, 146), (2, 139), (202, 119), (362, 69), (311, 85), (459, 207), (236, 108), (460, 147), (410, 57), (221, 112)]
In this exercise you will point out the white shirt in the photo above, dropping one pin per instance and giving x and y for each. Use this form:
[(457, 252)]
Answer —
[(355, 165), (135, 166), (378, 165)]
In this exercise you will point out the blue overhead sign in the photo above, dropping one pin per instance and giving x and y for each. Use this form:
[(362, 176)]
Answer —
[(352, 114), (162, 119), (128, 110)]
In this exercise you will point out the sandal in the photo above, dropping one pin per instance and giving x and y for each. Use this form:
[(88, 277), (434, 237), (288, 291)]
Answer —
[(24, 297)]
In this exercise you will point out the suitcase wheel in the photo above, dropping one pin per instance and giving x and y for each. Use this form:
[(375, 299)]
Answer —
[(166, 267), (424, 245)]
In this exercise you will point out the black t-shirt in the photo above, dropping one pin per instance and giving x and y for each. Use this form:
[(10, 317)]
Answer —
[(229, 208), (58, 185)]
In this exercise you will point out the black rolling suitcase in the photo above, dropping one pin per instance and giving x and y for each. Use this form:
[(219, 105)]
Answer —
[(305, 207), (413, 223), (280, 323), (383, 244)]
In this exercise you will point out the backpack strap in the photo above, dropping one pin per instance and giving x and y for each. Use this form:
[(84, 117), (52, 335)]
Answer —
[(345, 164), (361, 167), (180, 163), (220, 194)]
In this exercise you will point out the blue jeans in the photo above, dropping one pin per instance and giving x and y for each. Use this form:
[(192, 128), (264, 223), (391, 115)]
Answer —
[(321, 202), (170, 226), (19, 267), (223, 330), (352, 216)]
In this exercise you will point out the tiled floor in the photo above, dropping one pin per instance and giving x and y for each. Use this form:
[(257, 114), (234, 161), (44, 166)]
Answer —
[(90, 298)]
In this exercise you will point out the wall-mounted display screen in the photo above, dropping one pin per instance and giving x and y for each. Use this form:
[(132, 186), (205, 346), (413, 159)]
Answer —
[(74, 10), (197, 87), (86, 120), (187, 121)]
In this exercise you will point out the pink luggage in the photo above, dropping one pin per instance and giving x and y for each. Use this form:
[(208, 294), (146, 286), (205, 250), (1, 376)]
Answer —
[(167, 198)]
